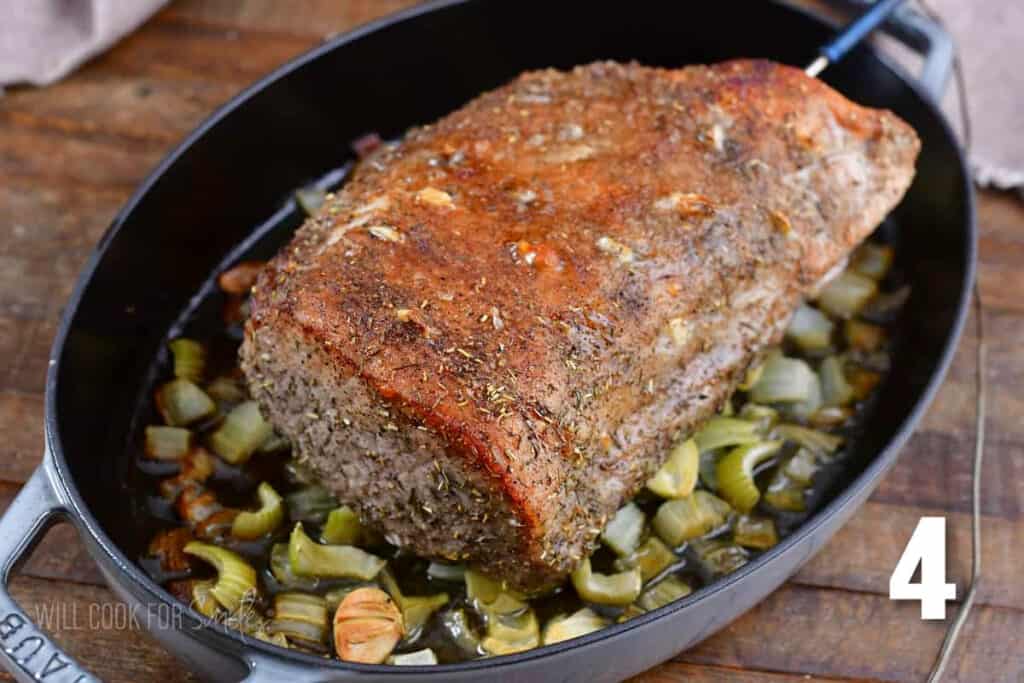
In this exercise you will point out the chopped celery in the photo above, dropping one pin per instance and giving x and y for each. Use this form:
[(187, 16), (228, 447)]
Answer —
[(751, 376), (299, 474), (725, 431), (872, 260), (886, 306), (276, 639), (203, 600), (274, 444), (310, 504), (250, 525), (678, 475), (480, 587), (651, 558), (763, 416), (300, 616), (719, 557), (727, 408), (334, 596), (606, 589), (785, 494), (235, 577), (214, 527), (189, 359), (167, 443), (416, 610), (456, 624), (835, 390), (226, 389), (736, 473), (820, 443), (511, 633), (342, 527), (367, 626), (579, 623), (631, 612), (310, 199), (846, 295), (802, 410), (784, 380), (486, 591), (281, 568), (830, 416), (180, 403), (863, 381), (622, 533), (446, 572), (706, 469), (424, 657), (688, 518), (863, 336), (801, 467), (810, 329), (755, 532), (309, 558), (242, 432), (669, 589)]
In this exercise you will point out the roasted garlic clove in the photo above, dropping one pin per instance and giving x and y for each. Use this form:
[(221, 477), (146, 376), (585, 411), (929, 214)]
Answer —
[(367, 626)]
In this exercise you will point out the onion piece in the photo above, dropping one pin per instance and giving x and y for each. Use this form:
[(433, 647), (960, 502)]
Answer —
[(685, 519), (784, 380), (736, 473), (678, 476), (810, 329), (846, 295), (622, 533)]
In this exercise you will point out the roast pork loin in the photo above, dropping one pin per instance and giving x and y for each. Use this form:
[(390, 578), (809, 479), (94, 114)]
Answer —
[(488, 339)]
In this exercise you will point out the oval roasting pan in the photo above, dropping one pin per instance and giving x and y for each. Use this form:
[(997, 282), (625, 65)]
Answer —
[(240, 166)]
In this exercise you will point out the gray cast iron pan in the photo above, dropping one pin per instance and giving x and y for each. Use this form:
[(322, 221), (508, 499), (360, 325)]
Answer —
[(240, 165)]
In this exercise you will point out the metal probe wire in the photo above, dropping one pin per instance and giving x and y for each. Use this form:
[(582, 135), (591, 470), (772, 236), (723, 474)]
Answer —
[(981, 389), (813, 69)]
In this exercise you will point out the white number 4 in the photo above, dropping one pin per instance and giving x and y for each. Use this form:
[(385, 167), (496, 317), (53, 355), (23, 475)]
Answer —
[(928, 547)]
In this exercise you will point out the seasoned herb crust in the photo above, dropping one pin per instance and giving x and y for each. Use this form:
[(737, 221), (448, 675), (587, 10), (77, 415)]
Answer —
[(487, 340)]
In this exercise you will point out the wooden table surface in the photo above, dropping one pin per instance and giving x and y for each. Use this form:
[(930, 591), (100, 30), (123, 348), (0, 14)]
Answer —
[(71, 154)]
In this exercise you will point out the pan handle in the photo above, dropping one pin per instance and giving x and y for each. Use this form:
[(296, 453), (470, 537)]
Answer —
[(925, 37), (25, 649)]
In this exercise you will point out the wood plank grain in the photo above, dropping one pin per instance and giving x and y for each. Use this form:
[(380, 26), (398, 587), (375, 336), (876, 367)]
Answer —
[(674, 672), (818, 632), (95, 628), (934, 473), (24, 347), (45, 219), (106, 106), (862, 555), (1001, 247), (21, 423), (953, 409), (174, 50), (317, 18), (52, 158)]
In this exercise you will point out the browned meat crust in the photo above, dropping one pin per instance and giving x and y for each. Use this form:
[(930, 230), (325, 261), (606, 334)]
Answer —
[(488, 338)]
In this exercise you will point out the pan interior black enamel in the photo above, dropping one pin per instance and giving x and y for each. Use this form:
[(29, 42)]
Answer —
[(243, 166)]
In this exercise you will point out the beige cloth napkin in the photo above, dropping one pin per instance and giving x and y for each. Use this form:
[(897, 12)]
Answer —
[(990, 35), (41, 41)]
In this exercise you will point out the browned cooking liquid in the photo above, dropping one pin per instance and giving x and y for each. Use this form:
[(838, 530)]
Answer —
[(234, 488)]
